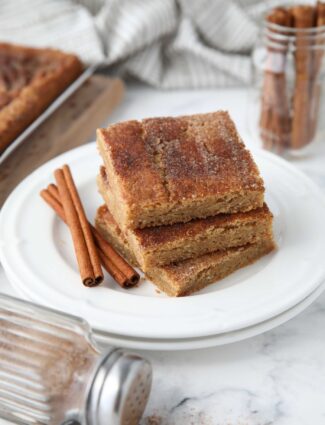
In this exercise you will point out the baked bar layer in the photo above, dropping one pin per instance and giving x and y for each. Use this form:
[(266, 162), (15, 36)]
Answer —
[(160, 245), (186, 277), (170, 170), (191, 275), (30, 79)]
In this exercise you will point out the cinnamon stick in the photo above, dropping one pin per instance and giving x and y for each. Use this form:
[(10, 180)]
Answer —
[(320, 22), (303, 17), (275, 111), (114, 264), (86, 253), (86, 230), (315, 91)]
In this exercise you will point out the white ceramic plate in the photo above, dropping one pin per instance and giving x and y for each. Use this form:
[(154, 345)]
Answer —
[(105, 338), (208, 341), (37, 255)]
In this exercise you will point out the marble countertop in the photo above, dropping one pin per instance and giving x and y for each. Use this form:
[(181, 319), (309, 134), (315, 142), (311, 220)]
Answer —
[(275, 378)]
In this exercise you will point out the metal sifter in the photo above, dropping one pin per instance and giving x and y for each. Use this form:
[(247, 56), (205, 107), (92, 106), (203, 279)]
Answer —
[(52, 372)]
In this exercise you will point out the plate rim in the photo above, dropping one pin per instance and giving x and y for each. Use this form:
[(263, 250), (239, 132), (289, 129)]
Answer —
[(105, 338), (223, 338)]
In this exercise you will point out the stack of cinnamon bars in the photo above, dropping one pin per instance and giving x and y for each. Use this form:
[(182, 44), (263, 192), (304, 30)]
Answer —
[(184, 199)]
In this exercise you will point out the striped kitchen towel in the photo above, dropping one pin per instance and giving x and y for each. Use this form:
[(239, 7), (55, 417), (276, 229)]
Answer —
[(166, 43)]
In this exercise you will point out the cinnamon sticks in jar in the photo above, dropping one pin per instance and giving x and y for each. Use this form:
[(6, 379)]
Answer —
[(303, 18), (295, 42), (275, 116), (91, 249)]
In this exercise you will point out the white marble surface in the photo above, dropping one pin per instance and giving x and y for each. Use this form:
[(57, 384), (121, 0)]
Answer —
[(275, 378)]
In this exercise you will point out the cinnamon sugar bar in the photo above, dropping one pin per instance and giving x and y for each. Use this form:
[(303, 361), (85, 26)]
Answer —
[(170, 170), (30, 79), (185, 277)]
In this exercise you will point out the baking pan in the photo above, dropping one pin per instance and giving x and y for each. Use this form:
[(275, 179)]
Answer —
[(48, 111)]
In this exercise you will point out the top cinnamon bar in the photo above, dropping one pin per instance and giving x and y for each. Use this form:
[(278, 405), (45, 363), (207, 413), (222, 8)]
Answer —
[(169, 170)]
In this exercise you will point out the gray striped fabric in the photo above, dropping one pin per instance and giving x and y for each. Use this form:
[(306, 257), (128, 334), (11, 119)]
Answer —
[(166, 43)]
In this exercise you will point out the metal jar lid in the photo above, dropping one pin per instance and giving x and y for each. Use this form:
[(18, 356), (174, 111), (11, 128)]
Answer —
[(119, 391)]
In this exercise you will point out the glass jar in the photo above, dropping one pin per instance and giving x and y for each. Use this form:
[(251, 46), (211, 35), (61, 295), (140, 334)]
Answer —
[(53, 373), (286, 106)]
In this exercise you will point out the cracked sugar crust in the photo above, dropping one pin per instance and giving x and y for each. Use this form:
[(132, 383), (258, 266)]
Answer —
[(161, 160), (169, 170)]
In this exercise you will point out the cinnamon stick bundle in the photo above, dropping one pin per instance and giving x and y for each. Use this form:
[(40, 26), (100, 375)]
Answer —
[(303, 18), (113, 263), (275, 111)]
